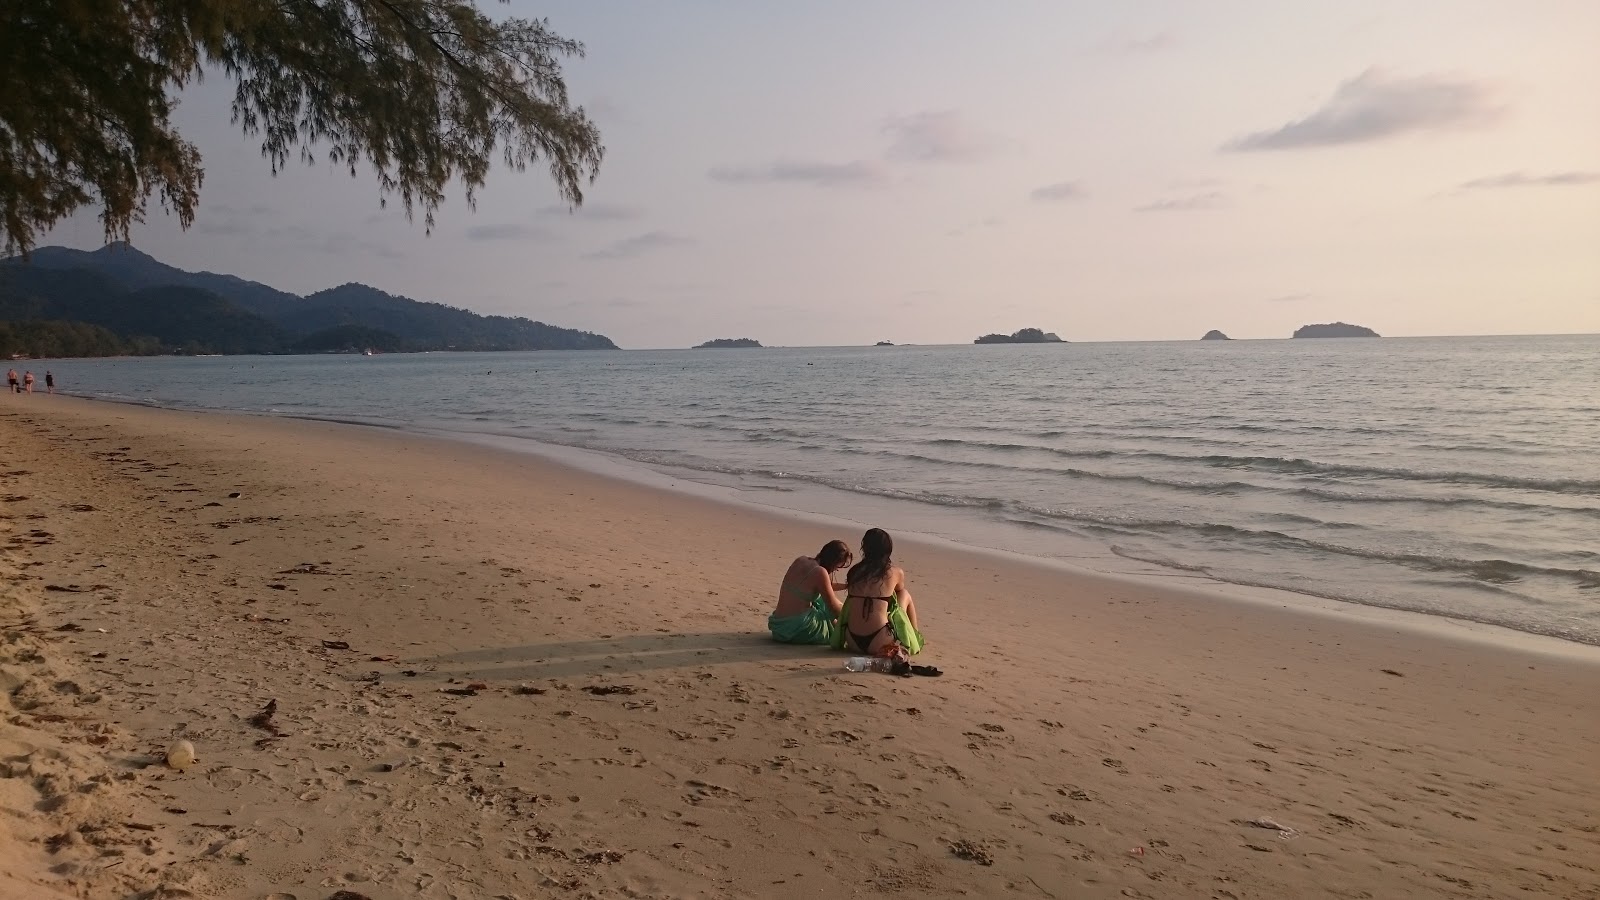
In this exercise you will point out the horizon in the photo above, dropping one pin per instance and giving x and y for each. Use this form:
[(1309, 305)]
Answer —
[(121, 246), (1422, 172)]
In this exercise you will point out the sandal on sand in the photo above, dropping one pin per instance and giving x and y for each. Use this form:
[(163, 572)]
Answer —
[(930, 671)]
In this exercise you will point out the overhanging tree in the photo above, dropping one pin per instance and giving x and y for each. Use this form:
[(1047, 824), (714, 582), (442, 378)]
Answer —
[(423, 92)]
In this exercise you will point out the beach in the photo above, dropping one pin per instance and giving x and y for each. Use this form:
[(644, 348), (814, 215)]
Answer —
[(497, 676)]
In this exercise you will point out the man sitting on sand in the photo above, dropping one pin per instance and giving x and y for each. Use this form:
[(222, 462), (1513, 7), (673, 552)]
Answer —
[(808, 608)]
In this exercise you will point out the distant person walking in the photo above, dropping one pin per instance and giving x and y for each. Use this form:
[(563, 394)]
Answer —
[(27, 380), (49, 382), (11, 381)]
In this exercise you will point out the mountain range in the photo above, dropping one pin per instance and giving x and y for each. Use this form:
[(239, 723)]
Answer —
[(154, 307)]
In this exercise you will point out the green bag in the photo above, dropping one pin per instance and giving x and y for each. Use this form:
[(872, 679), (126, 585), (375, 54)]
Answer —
[(904, 632), (814, 626), (908, 636)]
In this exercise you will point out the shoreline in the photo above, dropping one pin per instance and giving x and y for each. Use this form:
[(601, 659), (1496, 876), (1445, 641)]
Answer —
[(680, 480), (1424, 624), (560, 682), (1313, 513)]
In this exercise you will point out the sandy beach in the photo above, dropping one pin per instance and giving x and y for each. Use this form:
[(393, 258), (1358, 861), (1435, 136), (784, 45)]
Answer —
[(493, 676)]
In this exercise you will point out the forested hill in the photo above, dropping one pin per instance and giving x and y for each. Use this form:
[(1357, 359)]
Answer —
[(158, 308)]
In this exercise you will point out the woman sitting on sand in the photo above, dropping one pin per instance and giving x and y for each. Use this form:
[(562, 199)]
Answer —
[(879, 617), (808, 609)]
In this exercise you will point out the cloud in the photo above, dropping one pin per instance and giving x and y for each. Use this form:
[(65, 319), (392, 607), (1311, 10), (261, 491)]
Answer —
[(228, 220), (1291, 298), (603, 106), (990, 222), (640, 244), (345, 244), (254, 209), (936, 136), (1375, 105), (608, 303), (858, 174), (302, 237), (226, 228), (507, 231), (1058, 192), (1150, 44), (595, 212), (1519, 179), (1190, 203)]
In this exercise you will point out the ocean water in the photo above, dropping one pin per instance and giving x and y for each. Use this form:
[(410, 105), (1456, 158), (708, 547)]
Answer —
[(1449, 476)]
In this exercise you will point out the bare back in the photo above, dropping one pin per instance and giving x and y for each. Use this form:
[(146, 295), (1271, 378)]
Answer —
[(805, 579), (869, 607)]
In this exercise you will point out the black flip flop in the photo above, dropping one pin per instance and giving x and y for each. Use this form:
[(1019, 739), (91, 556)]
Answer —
[(930, 671)]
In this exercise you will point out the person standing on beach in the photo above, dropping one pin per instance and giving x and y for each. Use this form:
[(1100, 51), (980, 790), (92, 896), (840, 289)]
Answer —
[(27, 380), (808, 608), (49, 382), (11, 381)]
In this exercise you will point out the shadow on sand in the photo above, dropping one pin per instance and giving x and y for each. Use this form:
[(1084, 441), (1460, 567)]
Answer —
[(622, 655)]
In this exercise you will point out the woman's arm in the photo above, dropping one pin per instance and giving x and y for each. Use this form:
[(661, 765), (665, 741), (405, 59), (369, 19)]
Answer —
[(822, 581), (906, 603)]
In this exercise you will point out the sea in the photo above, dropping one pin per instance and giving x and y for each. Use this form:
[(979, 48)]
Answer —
[(1454, 476)]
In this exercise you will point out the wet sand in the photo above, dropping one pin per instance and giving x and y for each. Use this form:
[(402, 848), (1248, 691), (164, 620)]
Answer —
[(495, 676)]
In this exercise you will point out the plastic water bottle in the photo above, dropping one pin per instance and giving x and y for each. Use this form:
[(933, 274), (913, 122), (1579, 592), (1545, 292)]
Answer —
[(864, 664)]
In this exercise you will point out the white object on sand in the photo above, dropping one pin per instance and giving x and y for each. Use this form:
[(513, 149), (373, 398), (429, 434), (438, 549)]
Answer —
[(181, 755), (1284, 831)]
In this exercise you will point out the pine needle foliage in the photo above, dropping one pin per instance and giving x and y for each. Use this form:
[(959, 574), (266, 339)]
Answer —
[(424, 92)]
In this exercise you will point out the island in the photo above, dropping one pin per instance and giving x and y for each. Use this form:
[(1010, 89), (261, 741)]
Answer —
[(119, 301), (1215, 335), (1334, 330), (884, 344), (728, 343), (1023, 336)]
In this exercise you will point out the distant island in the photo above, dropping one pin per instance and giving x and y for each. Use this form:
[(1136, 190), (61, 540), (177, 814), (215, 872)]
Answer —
[(1334, 330), (728, 343), (1215, 335), (118, 301), (1023, 336), (884, 344)]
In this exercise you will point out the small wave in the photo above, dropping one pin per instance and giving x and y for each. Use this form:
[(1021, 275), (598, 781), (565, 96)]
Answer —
[(1297, 466), (1494, 571), (1583, 636)]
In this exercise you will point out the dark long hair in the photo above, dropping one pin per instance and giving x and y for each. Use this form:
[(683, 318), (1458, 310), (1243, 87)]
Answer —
[(876, 550), (833, 554)]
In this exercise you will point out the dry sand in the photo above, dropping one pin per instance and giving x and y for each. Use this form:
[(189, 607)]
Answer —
[(557, 685)]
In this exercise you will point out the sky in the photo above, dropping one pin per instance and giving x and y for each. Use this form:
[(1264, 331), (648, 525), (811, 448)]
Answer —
[(836, 173)]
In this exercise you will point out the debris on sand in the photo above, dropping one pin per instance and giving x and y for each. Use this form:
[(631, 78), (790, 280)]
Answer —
[(971, 850), (601, 690), (263, 719)]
